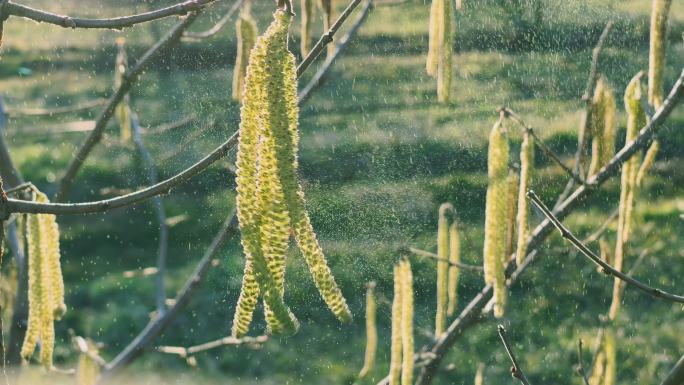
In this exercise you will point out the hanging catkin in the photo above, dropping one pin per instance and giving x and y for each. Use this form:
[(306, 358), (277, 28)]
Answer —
[(649, 160), (479, 374), (658, 43), (513, 182), (495, 216), (636, 118), (406, 322), (598, 371), (307, 13), (611, 357), (123, 109), (45, 284), (270, 200), (454, 258), (526, 170), (326, 9), (87, 369), (396, 339), (603, 126), (371, 332), (446, 37), (246, 37), (445, 211)]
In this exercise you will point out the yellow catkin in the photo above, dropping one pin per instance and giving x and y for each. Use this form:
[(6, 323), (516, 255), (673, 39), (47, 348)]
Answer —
[(611, 357), (649, 160), (656, 58), (513, 182), (326, 9), (446, 52), (246, 37), (371, 332), (495, 216), (526, 171), (46, 286), (445, 211), (603, 126), (598, 371), (87, 369), (256, 102), (479, 374), (396, 339), (406, 323), (606, 253), (123, 110), (305, 35), (454, 258), (636, 118), (436, 22)]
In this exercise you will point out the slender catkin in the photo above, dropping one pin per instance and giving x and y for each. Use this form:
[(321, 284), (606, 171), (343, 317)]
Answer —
[(479, 374), (123, 109), (445, 211), (603, 126), (265, 63), (598, 371), (606, 253), (495, 216), (658, 42), (305, 35), (396, 339), (46, 286), (446, 51), (246, 37), (513, 182), (526, 170), (406, 323), (436, 22), (371, 332), (87, 369), (326, 9), (649, 160), (636, 118), (611, 357), (454, 258)]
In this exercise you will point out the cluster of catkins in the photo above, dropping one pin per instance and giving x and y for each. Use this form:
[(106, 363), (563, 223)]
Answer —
[(45, 284), (270, 200), (449, 252), (402, 349), (440, 46), (506, 210)]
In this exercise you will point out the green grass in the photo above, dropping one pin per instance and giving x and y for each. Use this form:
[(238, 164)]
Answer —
[(378, 156)]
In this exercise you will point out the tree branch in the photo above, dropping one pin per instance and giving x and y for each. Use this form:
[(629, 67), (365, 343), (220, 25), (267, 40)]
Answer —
[(163, 242), (516, 370), (580, 363), (339, 48), (193, 36), (14, 9), (229, 340), (607, 268), (33, 112), (129, 79), (676, 375), (427, 254)]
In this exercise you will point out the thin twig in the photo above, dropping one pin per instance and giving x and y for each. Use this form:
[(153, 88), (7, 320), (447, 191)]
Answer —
[(14, 9), (229, 340), (607, 268), (516, 370), (162, 128), (129, 79), (593, 237), (427, 254), (580, 363), (52, 111), (547, 151), (676, 375), (163, 242), (326, 38), (317, 79), (194, 36)]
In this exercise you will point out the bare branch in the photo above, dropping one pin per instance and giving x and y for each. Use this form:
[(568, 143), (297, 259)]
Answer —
[(163, 242), (341, 45), (427, 254), (593, 237), (157, 325), (193, 36), (607, 268), (129, 79), (580, 363), (162, 128), (676, 375), (516, 370), (229, 340), (34, 112), (14, 9), (326, 38), (547, 151)]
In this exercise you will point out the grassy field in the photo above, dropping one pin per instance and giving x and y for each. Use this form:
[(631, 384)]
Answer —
[(378, 156)]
